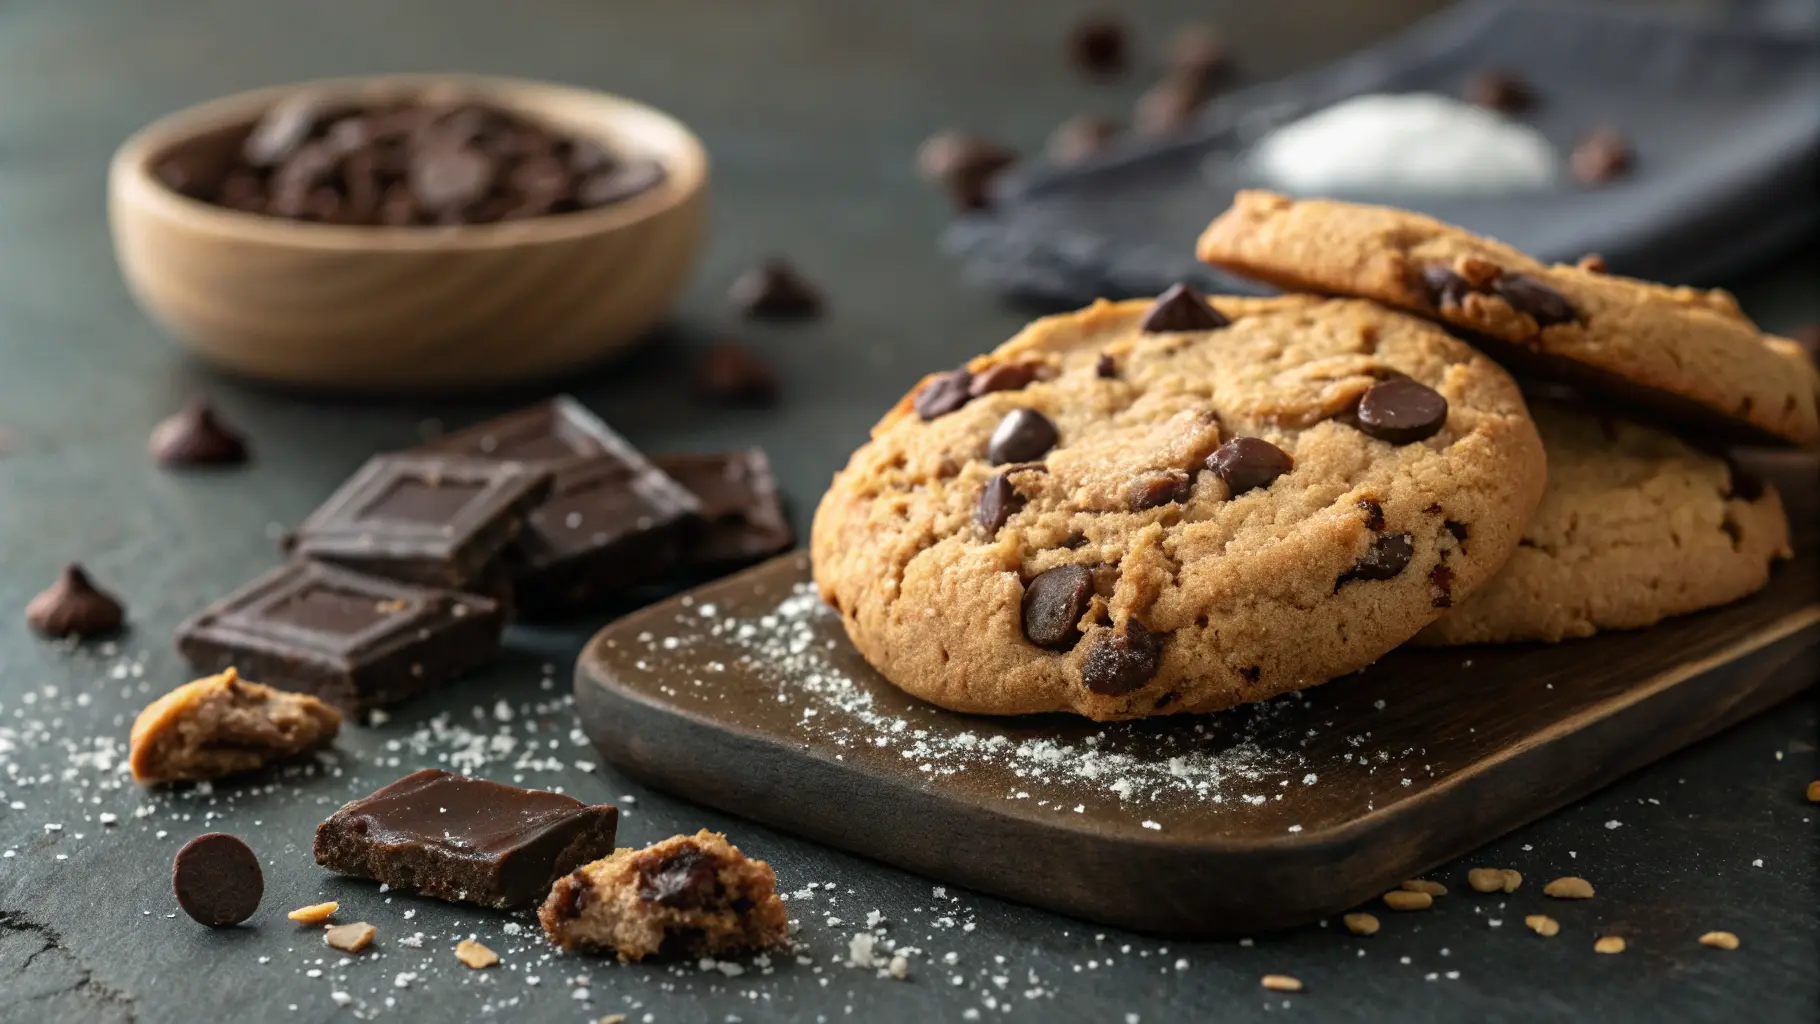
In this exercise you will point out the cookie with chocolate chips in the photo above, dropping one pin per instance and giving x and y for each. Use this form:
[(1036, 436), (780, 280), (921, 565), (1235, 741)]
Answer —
[(1175, 505), (1635, 526), (1678, 353)]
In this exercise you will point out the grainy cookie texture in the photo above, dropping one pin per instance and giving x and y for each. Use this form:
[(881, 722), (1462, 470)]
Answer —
[(1175, 506), (1688, 353), (223, 724), (1635, 526)]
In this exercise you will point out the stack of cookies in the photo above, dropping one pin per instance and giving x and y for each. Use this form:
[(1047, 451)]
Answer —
[(1179, 505)]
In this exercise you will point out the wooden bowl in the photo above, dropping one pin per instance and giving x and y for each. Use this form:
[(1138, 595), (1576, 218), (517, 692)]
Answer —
[(408, 308)]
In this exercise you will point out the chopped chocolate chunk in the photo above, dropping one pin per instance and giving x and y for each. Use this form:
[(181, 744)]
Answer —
[(1106, 366), (774, 290), (1024, 435), (223, 725), (555, 435), (1500, 90), (217, 879), (966, 165), (197, 436), (1181, 308), (1079, 138), (1602, 156), (439, 520), (355, 641), (1119, 663), (465, 840), (944, 393), (1528, 295), (74, 606), (1445, 288), (1246, 463), (999, 500), (1441, 578), (1402, 410), (685, 878), (741, 518), (1158, 488), (732, 374), (1099, 46), (1053, 605), (1002, 377), (1387, 556)]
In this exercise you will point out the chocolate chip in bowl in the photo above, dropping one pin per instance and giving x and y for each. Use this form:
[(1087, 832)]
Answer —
[(410, 232)]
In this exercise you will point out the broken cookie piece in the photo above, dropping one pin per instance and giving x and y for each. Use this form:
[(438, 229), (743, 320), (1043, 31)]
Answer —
[(686, 896), (223, 724)]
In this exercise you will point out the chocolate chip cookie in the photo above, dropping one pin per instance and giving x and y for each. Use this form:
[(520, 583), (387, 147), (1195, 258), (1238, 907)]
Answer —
[(1688, 354), (1635, 526), (1144, 508)]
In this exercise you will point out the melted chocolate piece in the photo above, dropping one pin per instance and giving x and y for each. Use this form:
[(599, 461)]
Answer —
[(464, 839), (1181, 308), (1528, 295), (1002, 377), (1053, 605), (774, 290), (1024, 435), (74, 606), (1246, 463), (685, 878), (217, 879), (944, 393), (1119, 663), (1385, 559), (741, 517), (999, 500), (1159, 488), (197, 436), (1401, 411)]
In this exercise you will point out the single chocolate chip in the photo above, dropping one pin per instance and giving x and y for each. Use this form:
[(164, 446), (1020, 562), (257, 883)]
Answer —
[(575, 896), (1496, 89), (1441, 577), (1745, 485), (1119, 663), (1249, 462), (965, 165), (1073, 541), (732, 374), (1024, 435), (447, 179), (1099, 46), (1002, 377), (1159, 488), (197, 436), (1386, 557), (1528, 295), (944, 393), (1251, 673), (74, 606), (1374, 514), (1078, 138), (1165, 700), (1458, 529), (998, 502), (1168, 107), (1445, 288), (217, 879), (1402, 411), (618, 184), (774, 290), (1181, 308), (1106, 367), (686, 878), (1602, 156), (1200, 59), (1053, 605), (282, 130)]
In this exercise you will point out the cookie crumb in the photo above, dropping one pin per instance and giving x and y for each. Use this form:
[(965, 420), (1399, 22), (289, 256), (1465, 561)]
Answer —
[(1512, 879), (1608, 944), (1719, 940), (1361, 924), (1424, 885), (1282, 983), (1569, 888), (475, 955), (1813, 792), (1403, 899), (1485, 880), (1543, 925), (315, 913), (350, 938)]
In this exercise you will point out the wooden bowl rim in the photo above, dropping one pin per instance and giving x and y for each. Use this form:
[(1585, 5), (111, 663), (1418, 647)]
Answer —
[(132, 181)]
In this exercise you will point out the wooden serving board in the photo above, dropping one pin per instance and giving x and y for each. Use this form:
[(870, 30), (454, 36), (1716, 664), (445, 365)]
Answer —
[(745, 695)]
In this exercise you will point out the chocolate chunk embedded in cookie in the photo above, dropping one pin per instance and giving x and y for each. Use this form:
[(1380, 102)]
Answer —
[(1256, 499)]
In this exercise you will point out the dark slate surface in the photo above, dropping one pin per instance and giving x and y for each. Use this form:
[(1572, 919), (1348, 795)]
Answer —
[(812, 110)]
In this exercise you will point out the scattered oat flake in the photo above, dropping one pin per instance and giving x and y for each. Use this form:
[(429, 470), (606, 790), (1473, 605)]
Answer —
[(1569, 888), (1403, 899), (1543, 925), (1608, 944), (1281, 983), (1361, 924), (315, 913), (1719, 940), (350, 938), (475, 955)]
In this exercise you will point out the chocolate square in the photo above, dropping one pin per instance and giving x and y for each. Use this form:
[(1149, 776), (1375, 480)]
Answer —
[(355, 641), (438, 520), (555, 435), (741, 519), (463, 839)]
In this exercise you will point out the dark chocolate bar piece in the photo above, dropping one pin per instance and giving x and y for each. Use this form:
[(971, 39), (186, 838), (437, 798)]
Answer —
[(741, 519), (555, 435), (355, 641), (463, 839), (439, 520)]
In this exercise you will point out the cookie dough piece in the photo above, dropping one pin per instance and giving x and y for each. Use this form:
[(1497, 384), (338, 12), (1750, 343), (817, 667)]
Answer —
[(223, 724), (1688, 354), (1635, 526), (1147, 508), (686, 896)]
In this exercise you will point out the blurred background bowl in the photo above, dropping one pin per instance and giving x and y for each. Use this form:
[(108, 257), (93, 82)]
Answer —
[(392, 309)]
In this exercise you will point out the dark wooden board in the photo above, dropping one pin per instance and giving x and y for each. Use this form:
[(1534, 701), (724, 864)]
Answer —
[(745, 695)]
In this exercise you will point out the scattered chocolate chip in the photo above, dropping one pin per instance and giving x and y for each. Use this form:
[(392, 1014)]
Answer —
[(1168, 107), (999, 500), (1158, 488), (1401, 411), (732, 374), (1002, 377), (1099, 46), (774, 290), (74, 606), (1442, 579), (1024, 435), (1445, 288), (1602, 156), (1386, 557), (1374, 514), (1106, 367), (686, 878), (1181, 308), (944, 393), (217, 879), (197, 436), (1053, 605), (1078, 138), (1499, 90), (1119, 663), (1528, 295), (1200, 59), (965, 164), (1249, 462)]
